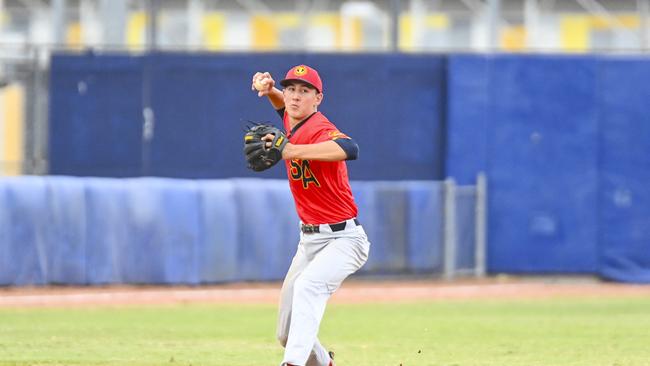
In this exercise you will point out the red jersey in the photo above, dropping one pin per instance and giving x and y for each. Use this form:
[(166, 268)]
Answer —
[(321, 189)]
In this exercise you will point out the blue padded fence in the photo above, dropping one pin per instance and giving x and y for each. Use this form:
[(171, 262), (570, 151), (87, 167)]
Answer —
[(67, 230)]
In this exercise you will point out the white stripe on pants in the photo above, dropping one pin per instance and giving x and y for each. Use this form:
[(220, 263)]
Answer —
[(322, 261)]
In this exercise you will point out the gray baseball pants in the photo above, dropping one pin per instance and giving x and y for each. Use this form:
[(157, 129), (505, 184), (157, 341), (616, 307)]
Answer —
[(321, 263)]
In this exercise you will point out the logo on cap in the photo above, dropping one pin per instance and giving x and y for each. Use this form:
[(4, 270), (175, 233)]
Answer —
[(300, 70)]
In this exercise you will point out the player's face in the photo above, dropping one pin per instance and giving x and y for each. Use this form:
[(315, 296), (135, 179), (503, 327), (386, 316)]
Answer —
[(301, 100)]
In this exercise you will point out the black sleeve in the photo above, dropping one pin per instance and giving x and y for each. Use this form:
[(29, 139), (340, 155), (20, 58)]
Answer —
[(350, 147), (280, 112)]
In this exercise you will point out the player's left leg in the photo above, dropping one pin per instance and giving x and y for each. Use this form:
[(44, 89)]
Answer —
[(343, 255)]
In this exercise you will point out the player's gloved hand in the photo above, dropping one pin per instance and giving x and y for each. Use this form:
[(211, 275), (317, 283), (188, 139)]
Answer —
[(261, 154)]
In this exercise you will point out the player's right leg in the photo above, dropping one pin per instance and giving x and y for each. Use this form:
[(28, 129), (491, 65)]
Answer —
[(298, 264), (319, 355)]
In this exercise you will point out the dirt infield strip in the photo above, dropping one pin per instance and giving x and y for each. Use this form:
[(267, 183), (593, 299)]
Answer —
[(354, 291)]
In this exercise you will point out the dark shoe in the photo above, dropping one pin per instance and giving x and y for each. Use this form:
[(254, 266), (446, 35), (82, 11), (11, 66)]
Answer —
[(331, 358)]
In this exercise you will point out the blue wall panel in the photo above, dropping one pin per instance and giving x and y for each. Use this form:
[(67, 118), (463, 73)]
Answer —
[(625, 169), (468, 108), (95, 118), (201, 104), (543, 164), (540, 156), (393, 105)]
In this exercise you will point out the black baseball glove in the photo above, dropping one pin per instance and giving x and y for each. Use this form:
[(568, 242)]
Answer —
[(258, 155)]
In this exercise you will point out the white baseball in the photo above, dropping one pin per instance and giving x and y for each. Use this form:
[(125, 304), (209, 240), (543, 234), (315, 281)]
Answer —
[(261, 84)]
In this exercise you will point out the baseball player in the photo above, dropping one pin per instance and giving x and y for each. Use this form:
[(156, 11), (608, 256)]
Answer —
[(332, 244)]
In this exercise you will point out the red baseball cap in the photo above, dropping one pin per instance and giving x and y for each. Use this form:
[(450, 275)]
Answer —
[(305, 74)]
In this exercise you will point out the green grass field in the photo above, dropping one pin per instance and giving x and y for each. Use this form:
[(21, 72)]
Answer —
[(470, 333)]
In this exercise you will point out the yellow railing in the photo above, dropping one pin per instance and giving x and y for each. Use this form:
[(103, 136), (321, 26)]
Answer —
[(334, 31), (12, 102)]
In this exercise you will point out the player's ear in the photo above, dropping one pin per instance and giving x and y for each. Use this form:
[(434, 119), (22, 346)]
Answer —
[(319, 99)]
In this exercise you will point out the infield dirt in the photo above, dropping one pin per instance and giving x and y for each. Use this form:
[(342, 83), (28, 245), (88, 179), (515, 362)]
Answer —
[(353, 291)]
